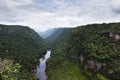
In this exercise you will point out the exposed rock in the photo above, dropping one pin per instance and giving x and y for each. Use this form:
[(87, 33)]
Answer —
[(110, 71), (117, 36), (111, 34), (114, 35), (98, 66), (93, 65), (6, 50), (81, 58), (104, 64)]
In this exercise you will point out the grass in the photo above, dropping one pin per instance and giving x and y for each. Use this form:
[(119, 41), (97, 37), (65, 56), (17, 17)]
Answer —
[(67, 70)]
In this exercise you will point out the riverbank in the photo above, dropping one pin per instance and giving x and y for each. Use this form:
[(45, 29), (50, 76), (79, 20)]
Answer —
[(41, 69)]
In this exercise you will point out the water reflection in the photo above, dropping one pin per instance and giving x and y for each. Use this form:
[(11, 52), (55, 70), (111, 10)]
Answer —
[(41, 68)]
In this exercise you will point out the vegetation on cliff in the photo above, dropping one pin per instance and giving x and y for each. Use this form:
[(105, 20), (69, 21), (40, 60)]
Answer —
[(22, 45), (95, 48)]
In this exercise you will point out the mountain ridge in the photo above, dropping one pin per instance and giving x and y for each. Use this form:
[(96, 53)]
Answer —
[(95, 48), (22, 45)]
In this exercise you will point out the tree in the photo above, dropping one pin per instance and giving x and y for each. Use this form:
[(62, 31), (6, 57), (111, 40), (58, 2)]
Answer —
[(9, 70)]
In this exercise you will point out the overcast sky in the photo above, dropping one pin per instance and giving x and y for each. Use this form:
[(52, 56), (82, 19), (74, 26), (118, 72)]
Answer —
[(44, 14)]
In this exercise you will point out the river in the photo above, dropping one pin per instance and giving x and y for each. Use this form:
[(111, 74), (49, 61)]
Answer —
[(41, 74)]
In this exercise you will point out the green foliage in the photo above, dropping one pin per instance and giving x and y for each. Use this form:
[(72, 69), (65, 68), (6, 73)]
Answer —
[(23, 45), (64, 70), (97, 43), (25, 75), (100, 77), (57, 38), (9, 70)]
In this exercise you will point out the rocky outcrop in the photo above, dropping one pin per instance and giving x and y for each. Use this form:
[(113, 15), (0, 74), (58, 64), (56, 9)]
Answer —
[(116, 36), (81, 58), (94, 65), (110, 71)]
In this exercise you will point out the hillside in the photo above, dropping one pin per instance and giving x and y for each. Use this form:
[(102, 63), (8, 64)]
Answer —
[(58, 36), (47, 33), (22, 45), (93, 49)]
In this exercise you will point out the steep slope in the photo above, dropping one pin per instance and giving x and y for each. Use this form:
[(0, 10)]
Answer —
[(95, 48), (47, 33), (21, 44), (58, 36)]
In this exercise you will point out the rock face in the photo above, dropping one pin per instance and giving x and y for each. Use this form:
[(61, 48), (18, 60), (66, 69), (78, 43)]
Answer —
[(110, 71), (81, 58), (116, 36), (94, 65)]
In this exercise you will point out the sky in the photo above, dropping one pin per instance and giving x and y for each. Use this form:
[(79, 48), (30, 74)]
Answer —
[(44, 14)]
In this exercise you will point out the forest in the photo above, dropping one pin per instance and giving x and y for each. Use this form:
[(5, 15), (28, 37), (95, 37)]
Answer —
[(88, 52), (20, 49)]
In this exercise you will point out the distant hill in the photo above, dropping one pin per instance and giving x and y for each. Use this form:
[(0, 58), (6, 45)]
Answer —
[(47, 33), (58, 35)]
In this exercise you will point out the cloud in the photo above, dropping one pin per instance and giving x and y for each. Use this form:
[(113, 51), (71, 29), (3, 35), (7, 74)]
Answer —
[(115, 4), (44, 14)]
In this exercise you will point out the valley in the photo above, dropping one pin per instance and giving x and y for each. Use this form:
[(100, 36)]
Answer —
[(59, 39), (89, 52)]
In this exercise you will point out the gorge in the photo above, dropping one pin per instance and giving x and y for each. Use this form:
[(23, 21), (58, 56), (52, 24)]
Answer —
[(41, 68), (89, 52)]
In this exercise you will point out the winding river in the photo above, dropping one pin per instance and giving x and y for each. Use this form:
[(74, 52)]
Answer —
[(41, 74)]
